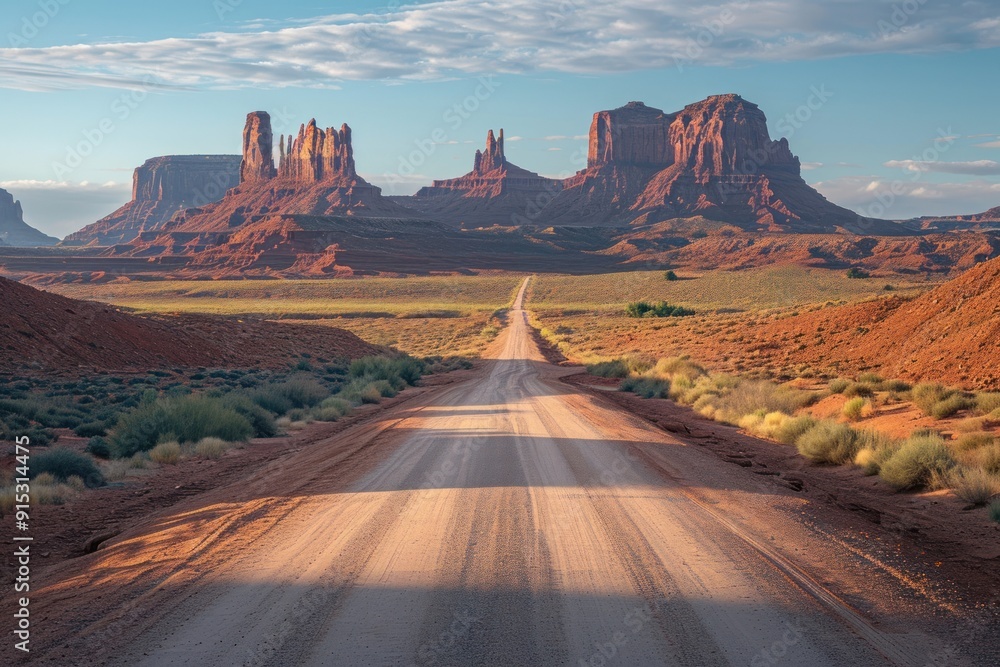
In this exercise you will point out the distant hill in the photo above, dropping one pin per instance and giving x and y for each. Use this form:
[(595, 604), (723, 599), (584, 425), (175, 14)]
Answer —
[(14, 231)]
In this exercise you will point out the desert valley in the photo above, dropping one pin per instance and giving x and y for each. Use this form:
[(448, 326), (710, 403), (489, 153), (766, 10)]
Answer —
[(674, 406)]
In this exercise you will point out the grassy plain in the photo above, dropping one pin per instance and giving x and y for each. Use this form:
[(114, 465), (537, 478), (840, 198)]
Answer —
[(438, 315), (585, 315)]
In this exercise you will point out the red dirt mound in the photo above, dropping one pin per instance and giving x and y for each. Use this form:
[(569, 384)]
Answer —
[(41, 331), (950, 334)]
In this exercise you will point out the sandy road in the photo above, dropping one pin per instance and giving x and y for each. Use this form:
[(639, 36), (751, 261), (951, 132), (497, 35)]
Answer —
[(510, 521)]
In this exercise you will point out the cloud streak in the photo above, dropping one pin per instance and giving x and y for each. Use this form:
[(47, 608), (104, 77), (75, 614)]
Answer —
[(453, 38), (975, 168)]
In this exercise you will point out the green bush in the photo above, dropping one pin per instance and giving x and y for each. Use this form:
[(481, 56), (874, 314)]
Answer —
[(331, 409), (90, 429), (298, 391), (874, 449), (994, 511), (859, 389), (829, 442), (987, 402), (854, 408), (260, 419), (916, 462), (167, 453), (99, 446), (858, 273), (616, 368), (184, 418), (63, 463), (974, 486), (661, 309), (646, 387), (670, 276), (789, 431), (839, 385), (950, 406), (751, 396), (400, 371)]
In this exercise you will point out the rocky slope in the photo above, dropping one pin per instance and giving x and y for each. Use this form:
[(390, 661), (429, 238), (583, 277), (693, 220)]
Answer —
[(713, 158), (46, 331), (495, 192), (14, 231), (161, 187)]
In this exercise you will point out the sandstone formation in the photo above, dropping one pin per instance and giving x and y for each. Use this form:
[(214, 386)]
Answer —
[(317, 155), (714, 159), (161, 187), (495, 192), (258, 143), (315, 175), (14, 231)]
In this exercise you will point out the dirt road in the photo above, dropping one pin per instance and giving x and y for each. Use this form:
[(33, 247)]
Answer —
[(507, 520)]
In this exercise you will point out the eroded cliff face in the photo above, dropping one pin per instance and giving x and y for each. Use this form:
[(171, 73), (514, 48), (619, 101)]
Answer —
[(14, 231), (495, 192), (258, 146), (317, 155), (315, 176), (162, 187), (714, 158)]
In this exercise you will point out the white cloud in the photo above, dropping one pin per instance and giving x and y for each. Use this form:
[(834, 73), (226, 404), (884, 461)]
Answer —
[(452, 38), (990, 144), (810, 166), (975, 168), (909, 198)]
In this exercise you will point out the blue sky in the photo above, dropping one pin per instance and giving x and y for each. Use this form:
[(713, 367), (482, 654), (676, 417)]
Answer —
[(891, 106)]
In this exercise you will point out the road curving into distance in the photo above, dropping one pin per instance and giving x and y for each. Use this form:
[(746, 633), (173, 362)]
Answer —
[(510, 519)]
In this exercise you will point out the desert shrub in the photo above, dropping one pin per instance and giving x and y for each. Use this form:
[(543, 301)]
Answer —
[(64, 463), (400, 371), (854, 408), (99, 446), (260, 418), (985, 458), (751, 396), (211, 448), (661, 309), (916, 462), (950, 406), (987, 402), (298, 391), (857, 274), (90, 429), (972, 425), (859, 389), (670, 276), (994, 511), (363, 390), (895, 386), (970, 441), (331, 409), (646, 387), (926, 394), (789, 431), (871, 378), (974, 486), (874, 449), (185, 418), (616, 368), (168, 453), (673, 367), (828, 442), (838, 385)]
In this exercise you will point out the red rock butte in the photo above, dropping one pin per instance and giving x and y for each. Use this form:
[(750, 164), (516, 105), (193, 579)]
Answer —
[(491, 176)]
